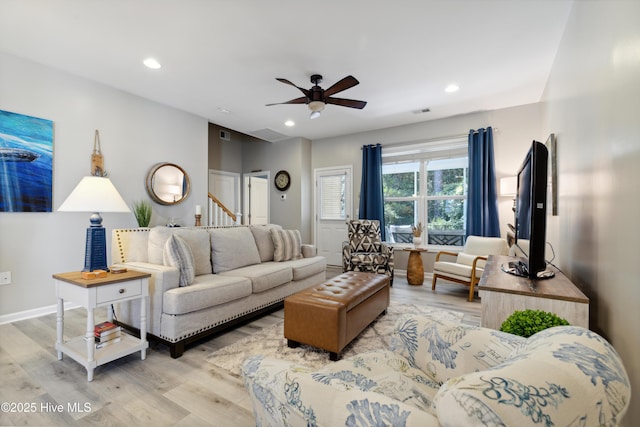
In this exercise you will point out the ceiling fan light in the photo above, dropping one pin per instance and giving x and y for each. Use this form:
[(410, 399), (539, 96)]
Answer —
[(314, 114), (316, 106)]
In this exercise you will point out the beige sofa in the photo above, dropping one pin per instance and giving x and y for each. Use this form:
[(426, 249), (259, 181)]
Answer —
[(205, 279)]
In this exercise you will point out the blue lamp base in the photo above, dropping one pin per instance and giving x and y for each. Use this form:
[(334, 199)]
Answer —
[(95, 254)]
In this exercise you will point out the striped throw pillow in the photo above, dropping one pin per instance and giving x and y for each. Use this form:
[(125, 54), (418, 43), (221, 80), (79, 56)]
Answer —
[(287, 244), (177, 253)]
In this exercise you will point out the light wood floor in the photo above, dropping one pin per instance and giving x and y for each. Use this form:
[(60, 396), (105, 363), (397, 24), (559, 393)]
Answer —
[(159, 391)]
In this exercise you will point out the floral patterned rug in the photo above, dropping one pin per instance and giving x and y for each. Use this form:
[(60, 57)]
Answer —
[(270, 341)]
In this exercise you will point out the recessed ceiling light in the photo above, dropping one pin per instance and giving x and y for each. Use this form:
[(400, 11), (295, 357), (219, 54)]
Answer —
[(152, 63), (452, 88), (289, 123), (224, 110)]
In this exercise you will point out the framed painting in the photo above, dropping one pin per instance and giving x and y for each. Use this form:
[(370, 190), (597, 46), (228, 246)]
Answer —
[(26, 163)]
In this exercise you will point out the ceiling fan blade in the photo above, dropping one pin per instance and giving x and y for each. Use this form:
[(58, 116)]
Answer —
[(285, 81), (352, 103), (343, 84), (301, 100)]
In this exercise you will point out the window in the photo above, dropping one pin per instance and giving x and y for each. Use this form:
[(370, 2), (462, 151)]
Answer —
[(426, 182), (332, 197)]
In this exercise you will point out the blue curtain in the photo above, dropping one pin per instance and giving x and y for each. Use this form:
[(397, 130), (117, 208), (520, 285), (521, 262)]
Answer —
[(482, 203), (371, 198)]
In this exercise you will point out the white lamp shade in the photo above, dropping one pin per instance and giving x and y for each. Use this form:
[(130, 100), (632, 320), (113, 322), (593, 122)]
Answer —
[(508, 186), (94, 194)]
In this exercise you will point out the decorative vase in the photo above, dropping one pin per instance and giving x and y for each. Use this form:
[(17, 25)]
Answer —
[(417, 241)]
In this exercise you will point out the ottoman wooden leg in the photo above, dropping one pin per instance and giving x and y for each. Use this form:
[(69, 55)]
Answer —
[(334, 357)]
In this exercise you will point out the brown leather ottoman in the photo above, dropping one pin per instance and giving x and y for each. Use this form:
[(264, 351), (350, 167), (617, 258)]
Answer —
[(330, 315)]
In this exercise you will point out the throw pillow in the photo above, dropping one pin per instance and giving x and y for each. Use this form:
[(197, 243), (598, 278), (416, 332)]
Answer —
[(198, 240), (262, 234), (286, 244), (177, 253), (233, 247)]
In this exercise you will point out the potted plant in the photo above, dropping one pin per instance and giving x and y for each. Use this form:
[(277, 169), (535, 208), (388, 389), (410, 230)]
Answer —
[(527, 322), (417, 233), (142, 212)]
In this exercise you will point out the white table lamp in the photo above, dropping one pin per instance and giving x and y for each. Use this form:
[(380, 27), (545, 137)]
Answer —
[(95, 194)]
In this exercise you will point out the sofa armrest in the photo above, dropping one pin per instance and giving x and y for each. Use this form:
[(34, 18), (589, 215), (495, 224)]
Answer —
[(444, 349), (308, 251), (283, 393), (162, 279)]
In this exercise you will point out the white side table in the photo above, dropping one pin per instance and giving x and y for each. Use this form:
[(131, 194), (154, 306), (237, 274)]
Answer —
[(92, 293)]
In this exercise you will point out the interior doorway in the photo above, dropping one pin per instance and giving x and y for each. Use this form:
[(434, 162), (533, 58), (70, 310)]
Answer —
[(225, 186), (256, 198)]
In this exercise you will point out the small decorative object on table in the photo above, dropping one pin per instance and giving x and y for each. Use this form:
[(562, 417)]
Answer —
[(417, 233), (198, 215)]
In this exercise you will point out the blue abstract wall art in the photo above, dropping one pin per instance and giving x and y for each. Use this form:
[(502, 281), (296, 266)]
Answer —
[(26, 161)]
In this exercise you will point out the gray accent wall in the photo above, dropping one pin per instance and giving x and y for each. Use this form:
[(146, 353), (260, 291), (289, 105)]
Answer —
[(592, 103)]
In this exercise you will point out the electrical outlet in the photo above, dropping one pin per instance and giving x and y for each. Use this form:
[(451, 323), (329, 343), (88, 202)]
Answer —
[(5, 278)]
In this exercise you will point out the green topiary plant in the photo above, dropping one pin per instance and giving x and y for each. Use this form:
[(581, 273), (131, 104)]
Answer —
[(142, 212), (528, 322)]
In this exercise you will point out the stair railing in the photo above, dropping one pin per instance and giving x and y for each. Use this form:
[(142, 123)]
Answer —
[(219, 214)]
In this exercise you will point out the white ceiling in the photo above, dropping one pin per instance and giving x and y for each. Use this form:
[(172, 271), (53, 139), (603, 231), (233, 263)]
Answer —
[(219, 55)]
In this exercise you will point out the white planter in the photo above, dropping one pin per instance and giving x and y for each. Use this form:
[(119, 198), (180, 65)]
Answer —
[(417, 241)]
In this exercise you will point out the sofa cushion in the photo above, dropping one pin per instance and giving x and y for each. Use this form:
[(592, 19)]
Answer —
[(264, 242), (287, 244), (178, 254), (264, 276), (307, 267), (460, 270), (448, 349), (206, 291), (197, 239), (554, 379), (383, 372), (232, 248)]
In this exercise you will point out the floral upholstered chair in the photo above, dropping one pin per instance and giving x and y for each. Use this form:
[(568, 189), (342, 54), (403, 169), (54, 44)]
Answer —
[(365, 251), (440, 373)]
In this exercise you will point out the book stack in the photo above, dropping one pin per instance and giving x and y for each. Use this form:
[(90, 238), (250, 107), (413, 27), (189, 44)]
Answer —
[(106, 333)]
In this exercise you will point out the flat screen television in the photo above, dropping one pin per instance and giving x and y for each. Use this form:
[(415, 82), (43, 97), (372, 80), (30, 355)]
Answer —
[(531, 213)]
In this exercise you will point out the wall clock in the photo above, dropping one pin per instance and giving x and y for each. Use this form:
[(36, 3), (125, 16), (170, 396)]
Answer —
[(282, 180)]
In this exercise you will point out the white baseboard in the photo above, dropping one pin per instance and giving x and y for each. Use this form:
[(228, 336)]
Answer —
[(35, 312)]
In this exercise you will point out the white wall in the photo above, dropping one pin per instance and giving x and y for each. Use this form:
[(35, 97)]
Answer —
[(593, 97), (135, 134)]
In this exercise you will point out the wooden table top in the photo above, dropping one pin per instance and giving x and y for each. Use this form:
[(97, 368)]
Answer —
[(75, 278), (415, 249), (558, 287)]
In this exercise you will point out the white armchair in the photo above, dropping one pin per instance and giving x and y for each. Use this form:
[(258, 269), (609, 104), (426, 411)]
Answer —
[(469, 264)]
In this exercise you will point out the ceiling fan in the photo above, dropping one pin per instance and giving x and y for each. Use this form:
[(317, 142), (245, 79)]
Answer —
[(316, 97)]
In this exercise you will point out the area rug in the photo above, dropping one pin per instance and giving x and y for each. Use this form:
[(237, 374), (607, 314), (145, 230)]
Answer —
[(270, 341)]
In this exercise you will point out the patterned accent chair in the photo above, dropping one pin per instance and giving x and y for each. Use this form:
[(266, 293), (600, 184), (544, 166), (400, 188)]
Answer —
[(439, 373), (365, 251)]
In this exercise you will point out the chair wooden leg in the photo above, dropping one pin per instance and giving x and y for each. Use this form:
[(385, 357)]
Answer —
[(433, 282), (471, 292)]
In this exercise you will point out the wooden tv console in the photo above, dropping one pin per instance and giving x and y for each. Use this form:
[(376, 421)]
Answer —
[(502, 293)]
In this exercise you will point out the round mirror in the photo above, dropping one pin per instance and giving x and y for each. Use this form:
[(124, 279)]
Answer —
[(168, 184)]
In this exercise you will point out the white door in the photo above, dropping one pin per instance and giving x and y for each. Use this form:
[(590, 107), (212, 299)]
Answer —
[(256, 198), (333, 210)]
